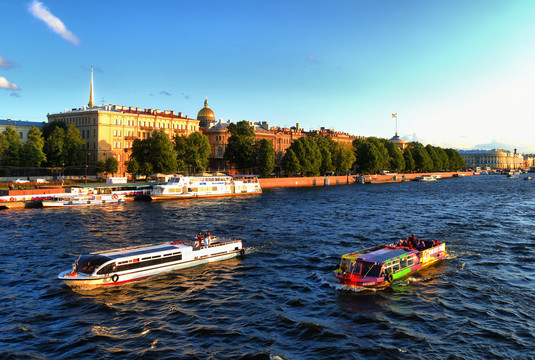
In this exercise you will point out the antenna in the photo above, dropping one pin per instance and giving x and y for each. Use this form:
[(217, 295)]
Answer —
[(102, 101)]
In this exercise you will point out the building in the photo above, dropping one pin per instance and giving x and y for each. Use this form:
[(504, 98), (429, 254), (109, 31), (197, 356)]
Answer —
[(497, 159), (339, 137), (110, 130), (20, 126), (400, 143)]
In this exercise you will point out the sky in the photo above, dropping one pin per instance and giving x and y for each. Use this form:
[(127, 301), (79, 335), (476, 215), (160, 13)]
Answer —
[(458, 73)]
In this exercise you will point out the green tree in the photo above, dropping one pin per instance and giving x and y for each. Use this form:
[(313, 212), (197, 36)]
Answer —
[(437, 161), (132, 167), (290, 163), (155, 153), (54, 147), (193, 152), (308, 154), (111, 165), (265, 157), (33, 149), (73, 147), (397, 162), (343, 158), (48, 128), (383, 158), (422, 159), (13, 152), (241, 145), (3, 147), (456, 161), (369, 158), (410, 164)]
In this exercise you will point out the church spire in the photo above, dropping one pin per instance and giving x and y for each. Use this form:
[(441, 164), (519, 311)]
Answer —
[(206, 102), (90, 104)]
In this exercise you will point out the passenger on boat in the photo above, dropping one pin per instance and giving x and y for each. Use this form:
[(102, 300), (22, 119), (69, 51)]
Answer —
[(199, 237), (207, 239)]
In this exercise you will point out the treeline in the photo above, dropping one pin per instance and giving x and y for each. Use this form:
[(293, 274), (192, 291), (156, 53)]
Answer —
[(59, 145), (375, 155), (55, 145)]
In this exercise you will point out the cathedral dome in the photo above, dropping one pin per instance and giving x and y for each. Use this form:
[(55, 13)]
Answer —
[(205, 115)]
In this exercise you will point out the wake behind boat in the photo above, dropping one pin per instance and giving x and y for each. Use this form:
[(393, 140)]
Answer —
[(119, 266), (381, 265), (187, 187)]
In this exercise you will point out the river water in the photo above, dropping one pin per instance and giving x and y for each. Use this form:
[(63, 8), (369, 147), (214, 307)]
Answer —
[(281, 300)]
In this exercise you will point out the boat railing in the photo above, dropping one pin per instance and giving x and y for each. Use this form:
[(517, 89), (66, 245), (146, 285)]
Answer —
[(121, 249)]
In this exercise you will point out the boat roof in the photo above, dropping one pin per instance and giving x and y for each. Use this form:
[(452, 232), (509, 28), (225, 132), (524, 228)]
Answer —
[(139, 250), (377, 256)]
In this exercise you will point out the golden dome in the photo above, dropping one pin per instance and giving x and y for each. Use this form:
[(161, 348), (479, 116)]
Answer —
[(205, 115)]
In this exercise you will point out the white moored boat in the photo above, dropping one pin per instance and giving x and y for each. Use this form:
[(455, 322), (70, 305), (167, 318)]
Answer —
[(119, 266), (82, 200), (204, 186)]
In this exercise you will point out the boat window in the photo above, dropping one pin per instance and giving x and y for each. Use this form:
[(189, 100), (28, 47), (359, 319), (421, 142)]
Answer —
[(88, 263), (106, 269), (345, 264), (403, 262), (156, 260), (410, 260), (371, 270)]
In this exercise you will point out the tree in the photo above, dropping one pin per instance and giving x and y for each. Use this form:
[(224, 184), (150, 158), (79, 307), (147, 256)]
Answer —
[(154, 154), (3, 146), (410, 164), (132, 167), (369, 158), (54, 147), (422, 159), (33, 149), (265, 157), (111, 165), (397, 162), (74, 147), (13, 152), (162, 155), (240, 149), (456, 161), (290, 163), (343, 158), (437, 161), (193, 152)]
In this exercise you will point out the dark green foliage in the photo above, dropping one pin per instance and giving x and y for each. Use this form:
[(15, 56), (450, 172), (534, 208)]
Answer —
[(33, 154), (192, 152), (265, 157), (241, 145)]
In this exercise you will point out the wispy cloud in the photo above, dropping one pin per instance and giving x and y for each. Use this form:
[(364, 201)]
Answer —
[(313, 60), (7, 64), (37, 9), (4, 84), (186, 96), (163, 92)]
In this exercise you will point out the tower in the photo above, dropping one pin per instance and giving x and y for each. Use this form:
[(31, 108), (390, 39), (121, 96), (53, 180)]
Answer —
[(206, 116), (90, 103)]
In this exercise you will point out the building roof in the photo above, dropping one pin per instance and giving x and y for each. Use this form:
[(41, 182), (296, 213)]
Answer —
[(8, 122)]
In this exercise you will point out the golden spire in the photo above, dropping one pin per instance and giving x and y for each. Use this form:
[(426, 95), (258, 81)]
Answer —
[(90, 104)]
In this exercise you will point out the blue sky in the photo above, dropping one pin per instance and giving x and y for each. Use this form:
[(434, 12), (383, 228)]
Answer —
[(458, 73)]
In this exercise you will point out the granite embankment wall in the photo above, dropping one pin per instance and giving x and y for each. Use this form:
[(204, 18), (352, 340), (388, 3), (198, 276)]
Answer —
[(268, 183)]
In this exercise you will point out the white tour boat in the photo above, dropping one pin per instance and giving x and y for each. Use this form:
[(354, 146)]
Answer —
[(204, 186), (119, 266), (82, 200)]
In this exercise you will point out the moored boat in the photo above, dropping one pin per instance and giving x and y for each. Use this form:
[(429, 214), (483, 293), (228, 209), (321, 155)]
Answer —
[(82, 200), (426, 178), (381, 265), (119, 266), (186, 187)]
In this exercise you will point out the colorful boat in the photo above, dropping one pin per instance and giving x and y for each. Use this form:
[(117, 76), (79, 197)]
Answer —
[(381, 265), (186, 187), (119, 266)]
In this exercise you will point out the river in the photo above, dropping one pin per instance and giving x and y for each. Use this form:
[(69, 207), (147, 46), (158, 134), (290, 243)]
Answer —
[(281, 300)]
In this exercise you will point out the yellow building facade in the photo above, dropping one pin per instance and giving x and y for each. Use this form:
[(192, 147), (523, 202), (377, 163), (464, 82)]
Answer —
[(110, 130)]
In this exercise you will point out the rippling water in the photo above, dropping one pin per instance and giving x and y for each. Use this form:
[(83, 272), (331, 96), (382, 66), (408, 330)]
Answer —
[(281, 300)]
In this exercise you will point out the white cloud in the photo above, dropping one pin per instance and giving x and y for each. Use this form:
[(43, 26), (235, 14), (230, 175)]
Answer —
[(37, 9), (4, 84), (6, 64)]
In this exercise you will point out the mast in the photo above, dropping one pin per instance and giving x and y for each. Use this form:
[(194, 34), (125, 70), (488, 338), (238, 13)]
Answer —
[(90, 104)]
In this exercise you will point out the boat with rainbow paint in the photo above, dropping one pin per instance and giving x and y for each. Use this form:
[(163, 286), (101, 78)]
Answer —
[(381, 265)]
